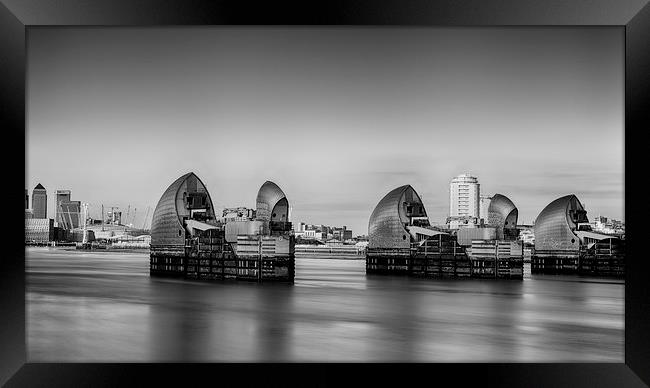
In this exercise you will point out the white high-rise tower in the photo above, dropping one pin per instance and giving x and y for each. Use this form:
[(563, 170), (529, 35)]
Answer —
[(464, 201)]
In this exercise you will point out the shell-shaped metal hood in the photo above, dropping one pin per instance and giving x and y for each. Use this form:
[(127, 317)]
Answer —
[(167, 223), (555, 225), (388, 221), (502, 213), (272, 203)]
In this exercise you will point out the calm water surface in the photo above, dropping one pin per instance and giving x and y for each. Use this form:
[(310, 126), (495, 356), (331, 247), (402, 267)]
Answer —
[(88, 306)]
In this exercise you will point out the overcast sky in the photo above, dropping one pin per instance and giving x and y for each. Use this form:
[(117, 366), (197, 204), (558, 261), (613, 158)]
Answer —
[(337, 117)]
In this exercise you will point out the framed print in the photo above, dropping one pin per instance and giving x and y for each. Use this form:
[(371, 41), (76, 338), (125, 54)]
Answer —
[(334, 193)]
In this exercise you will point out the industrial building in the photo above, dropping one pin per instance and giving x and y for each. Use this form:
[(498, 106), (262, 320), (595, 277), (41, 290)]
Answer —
[(189, 241), (566, 244)]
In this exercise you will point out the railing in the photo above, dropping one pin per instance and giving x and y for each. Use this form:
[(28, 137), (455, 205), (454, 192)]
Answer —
[(331, 250)]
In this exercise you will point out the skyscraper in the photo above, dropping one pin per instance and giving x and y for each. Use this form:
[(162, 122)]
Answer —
[(26, 199), (39, 201), (69, 216), (60, 215), (62, 196), (464, 193)]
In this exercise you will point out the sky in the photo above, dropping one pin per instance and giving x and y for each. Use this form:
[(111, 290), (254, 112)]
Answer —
[(336, 116)]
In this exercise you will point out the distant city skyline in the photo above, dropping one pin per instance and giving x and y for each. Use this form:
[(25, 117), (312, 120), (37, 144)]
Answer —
[(337, 117)]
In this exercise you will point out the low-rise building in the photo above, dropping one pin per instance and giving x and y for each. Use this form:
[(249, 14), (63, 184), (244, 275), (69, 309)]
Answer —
[(527, 236), (314, 234), (39, 230)]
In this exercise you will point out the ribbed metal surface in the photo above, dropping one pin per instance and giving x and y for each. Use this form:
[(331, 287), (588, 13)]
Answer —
[(502, 213), (166, 225), (272, 203), (386, 228), (554, 228), (465, 236)]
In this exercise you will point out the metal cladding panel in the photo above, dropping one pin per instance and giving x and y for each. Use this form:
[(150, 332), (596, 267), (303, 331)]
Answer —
[(272, 200), (166, 225), (553, 228), (280, 211), (386, 228)]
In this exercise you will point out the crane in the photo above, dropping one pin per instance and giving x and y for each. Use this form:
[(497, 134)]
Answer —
[(70, 217), (144, 222), (84, 212), (63, 222)]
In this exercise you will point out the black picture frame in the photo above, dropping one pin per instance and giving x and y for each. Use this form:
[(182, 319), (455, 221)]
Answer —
[(16, 16)]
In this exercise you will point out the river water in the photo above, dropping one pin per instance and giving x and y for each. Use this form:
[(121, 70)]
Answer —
[(104, 307)]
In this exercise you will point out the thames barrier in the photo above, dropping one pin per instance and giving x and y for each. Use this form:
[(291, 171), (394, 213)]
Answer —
[(402, 242), (565, 243), (188, 241)]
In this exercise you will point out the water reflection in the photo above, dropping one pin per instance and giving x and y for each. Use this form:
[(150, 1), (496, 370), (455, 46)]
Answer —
[(87, 306)]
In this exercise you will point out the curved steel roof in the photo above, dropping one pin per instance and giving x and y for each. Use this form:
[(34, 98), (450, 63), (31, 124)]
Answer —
[(271, 203), (387, 224), (502, 212), (554, 228), (167, 223)]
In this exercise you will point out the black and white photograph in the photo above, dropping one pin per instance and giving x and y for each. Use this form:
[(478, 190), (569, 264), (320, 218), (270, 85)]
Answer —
[(325, 194)]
